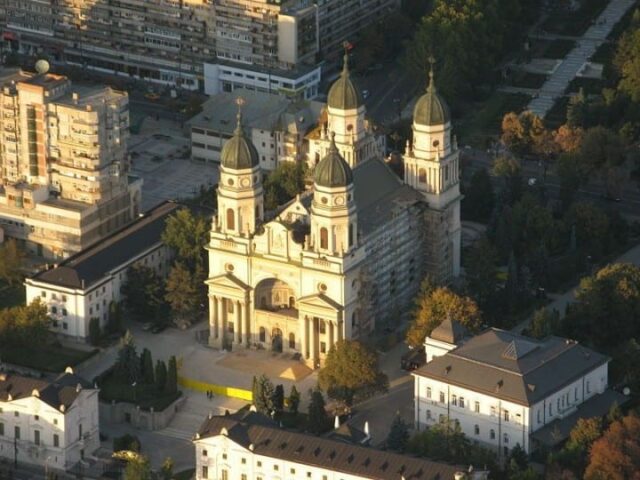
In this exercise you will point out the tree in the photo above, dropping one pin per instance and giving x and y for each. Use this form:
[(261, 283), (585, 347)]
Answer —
[(284, 183), (607, 309), (544, 323), (294, 400), (161, 375), (592, 228), (181, 293), (624, 367), (263, 394), (138, 468), (171, 386), (115, 323), (24, 324), (127, 442), (398, 437), (481, 272), (317, 420), (166, 471), (94, 331), (144, 293), (277, 399), (627, 61), (479, 198), (568, 138), (187, 234), (351, 369), (508, 168), (11, 260), (127, 365), (146, 367), (616, 455), (438, 305), (604, 150)]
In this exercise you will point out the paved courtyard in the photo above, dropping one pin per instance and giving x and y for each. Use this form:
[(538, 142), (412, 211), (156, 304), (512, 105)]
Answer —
[(161, 156)]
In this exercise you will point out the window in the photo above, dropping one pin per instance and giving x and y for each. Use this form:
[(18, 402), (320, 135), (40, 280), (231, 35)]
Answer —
[(225, 475), (276, 467), (477, 407), (350, 234), (1, 429), (243, 476), (558, 404), (505, 414), (292, 340), (244, 461), (422, 175), (229, 306), (263, 334), (36, 437), (428, 392), (16, 414), (43, 294), (231, 219), (539, 416), (259, 463), (493, 411), (461, 402), (323, 347), (324, 238), (205, 472), (476, 430), (16, 433), (505, 438), (36, 417), (204, 453), (309, 474), (429, 415), (441, 397), (54, 310), (588, 386), (79, 431), (293, 471), (492, 434), (576, 394), (64, 312), (454, 400), (322, 327), (551, 409), (56, 440)]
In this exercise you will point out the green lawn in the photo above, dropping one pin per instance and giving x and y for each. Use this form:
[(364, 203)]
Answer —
[(47, 358), (146, 396), (11, 296), (483, 120)]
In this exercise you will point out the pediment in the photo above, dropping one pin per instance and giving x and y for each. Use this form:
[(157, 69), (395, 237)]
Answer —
[(228, 281), (319, 301)]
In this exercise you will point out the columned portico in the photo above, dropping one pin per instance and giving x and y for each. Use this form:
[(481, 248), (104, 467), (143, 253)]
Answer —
[(228, 306), (320, 318)]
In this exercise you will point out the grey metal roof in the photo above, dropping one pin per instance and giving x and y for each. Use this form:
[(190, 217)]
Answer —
[(61, 391), (431, 109), (271, 441), (333, 170), (91, 264), (449, 331), (238, 152), (512, 367), (343, 94)]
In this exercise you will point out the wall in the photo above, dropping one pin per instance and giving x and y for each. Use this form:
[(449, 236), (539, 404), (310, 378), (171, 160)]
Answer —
[(145, 420)]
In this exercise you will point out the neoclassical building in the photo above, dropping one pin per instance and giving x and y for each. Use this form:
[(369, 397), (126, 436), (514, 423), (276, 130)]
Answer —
[(343, 257)]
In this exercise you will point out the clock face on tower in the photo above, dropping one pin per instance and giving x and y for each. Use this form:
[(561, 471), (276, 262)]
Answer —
[(245, 182), (339, 200)]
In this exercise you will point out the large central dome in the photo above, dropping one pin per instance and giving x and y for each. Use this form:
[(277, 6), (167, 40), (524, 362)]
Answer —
[(238, 152), (343, 94), (431, 109), (333, 170)]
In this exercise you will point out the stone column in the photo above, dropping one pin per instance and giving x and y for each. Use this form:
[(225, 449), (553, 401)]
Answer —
[(213, 325), (247, 319), (304, 346), (222, 321), (331, 335), (313, 340), (340, 327), (239, 322)]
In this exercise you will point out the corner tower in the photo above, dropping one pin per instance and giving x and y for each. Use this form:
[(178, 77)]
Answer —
[(431, 166), (333, 211), (240, 193)]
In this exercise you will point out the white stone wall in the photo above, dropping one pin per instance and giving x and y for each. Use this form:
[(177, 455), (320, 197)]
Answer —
[(60, 444)]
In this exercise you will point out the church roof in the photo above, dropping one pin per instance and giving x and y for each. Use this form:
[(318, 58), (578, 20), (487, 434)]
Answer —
[(333, 170), (449, 331), (343, 94), (238, 152), (431, 109)]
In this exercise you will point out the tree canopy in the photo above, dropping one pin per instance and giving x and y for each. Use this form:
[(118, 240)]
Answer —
[(284, 183), (616, 455), (351, 369), (11, 259), (187, 234), (24, 324), (436, 305)]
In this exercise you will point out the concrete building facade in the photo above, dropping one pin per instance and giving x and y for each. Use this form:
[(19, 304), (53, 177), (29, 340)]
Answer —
[(64, 167), (50, 424)]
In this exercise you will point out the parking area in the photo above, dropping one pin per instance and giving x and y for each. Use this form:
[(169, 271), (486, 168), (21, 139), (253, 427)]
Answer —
[(160, 154)]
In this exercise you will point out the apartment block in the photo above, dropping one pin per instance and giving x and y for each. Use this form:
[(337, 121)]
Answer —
[(64, 180)]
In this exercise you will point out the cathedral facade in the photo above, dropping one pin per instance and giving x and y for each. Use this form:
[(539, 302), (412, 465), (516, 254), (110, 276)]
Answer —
[(347, 255)]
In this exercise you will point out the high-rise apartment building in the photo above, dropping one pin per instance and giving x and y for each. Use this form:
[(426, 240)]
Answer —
[(170, 41), (63, 162)]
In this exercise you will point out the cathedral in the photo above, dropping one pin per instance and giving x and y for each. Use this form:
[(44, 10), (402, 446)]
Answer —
[(344, 257)]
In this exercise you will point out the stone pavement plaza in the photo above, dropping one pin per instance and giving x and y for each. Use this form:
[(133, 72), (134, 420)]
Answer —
[(587, 45)]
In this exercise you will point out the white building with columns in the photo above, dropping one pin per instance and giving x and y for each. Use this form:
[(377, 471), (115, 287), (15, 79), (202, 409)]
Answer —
[(504, 389), (51, 424), (340, 258), (247, 445)]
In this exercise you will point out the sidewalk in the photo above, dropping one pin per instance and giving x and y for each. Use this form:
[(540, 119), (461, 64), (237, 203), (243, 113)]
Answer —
[(587, 45), (561, 302)]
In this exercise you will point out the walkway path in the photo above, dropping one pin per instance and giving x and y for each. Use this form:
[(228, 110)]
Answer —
[(561, 301), (557, 83)]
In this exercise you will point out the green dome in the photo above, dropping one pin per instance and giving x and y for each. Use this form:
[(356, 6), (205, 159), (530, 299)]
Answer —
[(238, 152), (343, 94), (431, 109), (333, 171)]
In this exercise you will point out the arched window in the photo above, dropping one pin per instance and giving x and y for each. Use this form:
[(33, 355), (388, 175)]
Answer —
[(292, 340), (350, 234), (422, 175), (263, 334), (231, 219), (353, 319), (492, 434), (324, 238), (257, 213)]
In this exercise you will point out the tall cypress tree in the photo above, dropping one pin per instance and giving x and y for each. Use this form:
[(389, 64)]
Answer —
[(172, 376), (161, 375)]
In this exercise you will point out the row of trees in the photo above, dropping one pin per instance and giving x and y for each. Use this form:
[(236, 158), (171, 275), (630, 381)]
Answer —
[(24, 325)]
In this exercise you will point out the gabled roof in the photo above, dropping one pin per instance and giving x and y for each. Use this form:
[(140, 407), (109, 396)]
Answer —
[(271, 441), (512, 367), (90, 265), (62, 391)]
